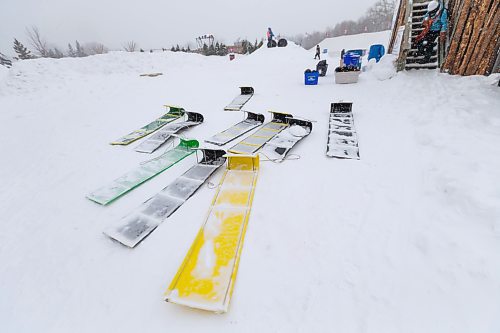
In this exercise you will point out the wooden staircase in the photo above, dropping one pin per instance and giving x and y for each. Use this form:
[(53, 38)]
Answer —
[(418, 11)]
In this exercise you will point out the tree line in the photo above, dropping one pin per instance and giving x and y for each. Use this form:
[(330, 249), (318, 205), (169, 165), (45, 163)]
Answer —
[(43, 49), (377, 18), (249, 48), (243, 46)]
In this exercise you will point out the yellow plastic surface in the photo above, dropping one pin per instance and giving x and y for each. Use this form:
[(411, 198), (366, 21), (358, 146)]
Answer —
[(264, 132), (206, 277)]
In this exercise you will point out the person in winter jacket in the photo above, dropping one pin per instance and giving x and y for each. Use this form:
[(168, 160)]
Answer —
[(270, 35), (435, 24), (317, 53)]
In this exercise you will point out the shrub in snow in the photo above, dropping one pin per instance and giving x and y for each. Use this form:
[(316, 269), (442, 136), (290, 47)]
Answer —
[(21, 51)]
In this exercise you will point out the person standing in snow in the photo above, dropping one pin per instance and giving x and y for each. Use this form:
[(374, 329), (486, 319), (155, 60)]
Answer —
[(270, 35), (317, 53), (435, 24)]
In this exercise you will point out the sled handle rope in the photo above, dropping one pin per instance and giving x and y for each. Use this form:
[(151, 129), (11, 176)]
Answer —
[(290, 157), (279, 160)]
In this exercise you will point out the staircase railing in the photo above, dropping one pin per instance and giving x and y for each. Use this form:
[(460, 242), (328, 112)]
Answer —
[(406, 43)]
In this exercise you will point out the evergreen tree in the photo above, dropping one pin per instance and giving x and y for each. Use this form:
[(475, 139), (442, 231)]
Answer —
[(188, 49), (56, 53), (71, 51), (177, 48), (211, 49), (223, 50), (250, 47), (21, 51), (244, 46), (4, 61), (80, 51), (172, 49), (205, 49)]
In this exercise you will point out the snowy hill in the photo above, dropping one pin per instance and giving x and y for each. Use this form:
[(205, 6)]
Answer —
[(407, 239), (359, 41)]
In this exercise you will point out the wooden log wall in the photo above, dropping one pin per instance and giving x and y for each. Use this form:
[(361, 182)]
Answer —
[(453, 6), (473, 36), (474, 27)]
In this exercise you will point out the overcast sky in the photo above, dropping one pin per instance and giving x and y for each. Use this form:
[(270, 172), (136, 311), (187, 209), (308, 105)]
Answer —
[(162, 23)]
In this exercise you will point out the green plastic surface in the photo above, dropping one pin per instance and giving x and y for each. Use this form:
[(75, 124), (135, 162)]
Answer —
[(173, 114), (144, 172)]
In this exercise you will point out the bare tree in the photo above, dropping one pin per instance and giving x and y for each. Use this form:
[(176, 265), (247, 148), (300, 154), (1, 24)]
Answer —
[(130, 46), (95, 48), (377, 18), (299, 39), (36, 40)]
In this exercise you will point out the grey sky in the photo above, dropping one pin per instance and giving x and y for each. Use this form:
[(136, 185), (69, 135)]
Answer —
[(161, 23)]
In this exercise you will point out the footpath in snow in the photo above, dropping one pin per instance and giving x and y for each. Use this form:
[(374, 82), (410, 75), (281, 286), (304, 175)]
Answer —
[(406, 239)]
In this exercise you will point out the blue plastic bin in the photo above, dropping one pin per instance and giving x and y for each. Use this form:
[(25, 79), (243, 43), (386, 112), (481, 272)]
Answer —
[(360, 52), (311, 78), (352, 59)]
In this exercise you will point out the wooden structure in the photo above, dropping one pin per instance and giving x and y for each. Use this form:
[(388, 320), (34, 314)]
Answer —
[(202, 40), (472, 46), (401, 16)]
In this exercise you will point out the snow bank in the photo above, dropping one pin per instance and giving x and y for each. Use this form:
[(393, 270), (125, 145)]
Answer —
[(55, 73), (3, 72), (359, 41), (382, 70)]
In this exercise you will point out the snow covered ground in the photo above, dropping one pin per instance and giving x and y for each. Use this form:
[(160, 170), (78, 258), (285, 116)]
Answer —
[(407, 239), (360, 41)]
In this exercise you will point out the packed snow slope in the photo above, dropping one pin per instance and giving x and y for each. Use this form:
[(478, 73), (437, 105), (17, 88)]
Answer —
[(360, 41), (407, 239)]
